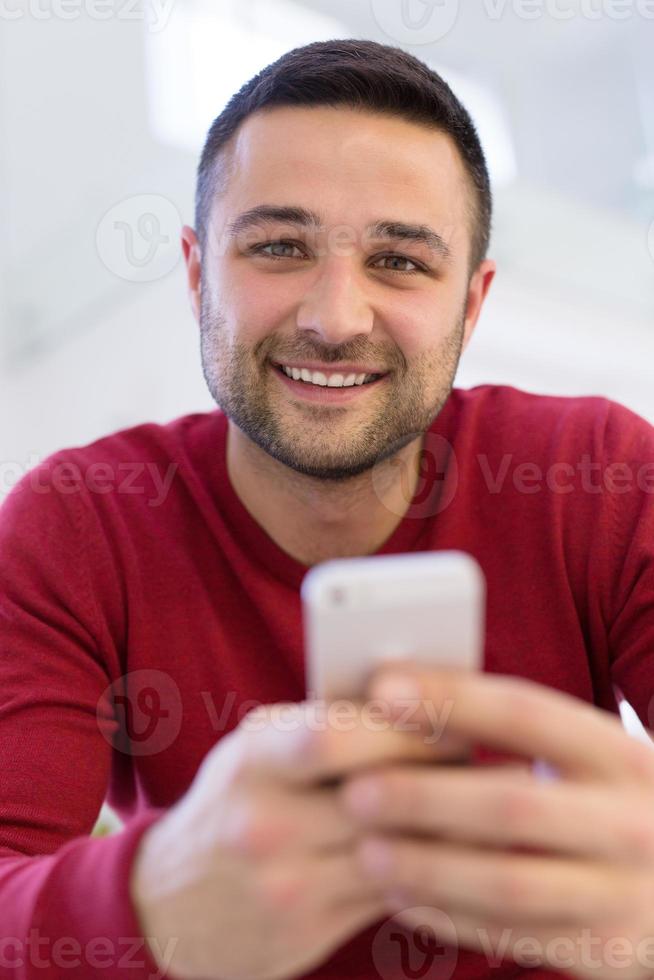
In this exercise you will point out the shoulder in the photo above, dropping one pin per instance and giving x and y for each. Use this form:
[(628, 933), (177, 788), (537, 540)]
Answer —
[(510, 405), (501, 415), (138, 460), (146, 440)]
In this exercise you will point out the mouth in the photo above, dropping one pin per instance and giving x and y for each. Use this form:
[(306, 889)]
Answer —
[(328, 386)]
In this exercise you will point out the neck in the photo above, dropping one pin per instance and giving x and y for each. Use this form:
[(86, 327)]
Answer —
[(314, 520)]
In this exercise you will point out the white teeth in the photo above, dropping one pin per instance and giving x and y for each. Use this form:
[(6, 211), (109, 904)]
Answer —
[(319, 378)]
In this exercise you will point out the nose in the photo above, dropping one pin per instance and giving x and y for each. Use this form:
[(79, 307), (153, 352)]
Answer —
[(336, 308)]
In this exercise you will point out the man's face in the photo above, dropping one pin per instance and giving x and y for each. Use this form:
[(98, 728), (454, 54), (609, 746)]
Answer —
[(343, 297)]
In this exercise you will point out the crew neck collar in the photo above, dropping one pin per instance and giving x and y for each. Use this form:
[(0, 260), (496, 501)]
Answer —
[(266, 552)]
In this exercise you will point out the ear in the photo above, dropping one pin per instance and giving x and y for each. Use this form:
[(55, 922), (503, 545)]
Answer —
[(193, 259), (477, 290)]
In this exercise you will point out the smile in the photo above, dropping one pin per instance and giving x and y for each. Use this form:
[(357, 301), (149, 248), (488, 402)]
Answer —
[(327, 386), (327, 378)]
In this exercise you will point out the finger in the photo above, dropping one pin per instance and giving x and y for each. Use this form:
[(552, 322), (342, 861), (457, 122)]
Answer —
[(506, 886), (519, 715), (320, 881), (270, 820), (503, 806), (303, 743)]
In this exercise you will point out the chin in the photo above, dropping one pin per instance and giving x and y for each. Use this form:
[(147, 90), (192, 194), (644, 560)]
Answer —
[(326, 470), (334, 470)]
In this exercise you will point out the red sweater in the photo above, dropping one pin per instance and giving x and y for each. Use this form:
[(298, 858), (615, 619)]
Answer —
[(134, 554)]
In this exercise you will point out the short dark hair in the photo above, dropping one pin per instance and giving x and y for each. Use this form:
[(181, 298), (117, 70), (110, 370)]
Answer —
[(361, 75)]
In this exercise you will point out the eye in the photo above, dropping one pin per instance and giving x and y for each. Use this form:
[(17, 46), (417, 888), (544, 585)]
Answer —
[(278, 245), (283, 244), (401, 258)]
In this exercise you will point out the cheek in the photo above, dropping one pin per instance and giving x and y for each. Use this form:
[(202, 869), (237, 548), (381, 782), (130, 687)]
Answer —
[(257, 308), (422, 321), (416, 328), (414, 340)]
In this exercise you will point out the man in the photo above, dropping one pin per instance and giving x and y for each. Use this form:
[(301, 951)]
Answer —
[(337, 272)]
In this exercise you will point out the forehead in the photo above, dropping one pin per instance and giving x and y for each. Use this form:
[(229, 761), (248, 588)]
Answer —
[(349, 163)]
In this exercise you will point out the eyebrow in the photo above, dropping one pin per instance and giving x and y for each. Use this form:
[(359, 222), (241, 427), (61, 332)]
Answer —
[(270, 213)]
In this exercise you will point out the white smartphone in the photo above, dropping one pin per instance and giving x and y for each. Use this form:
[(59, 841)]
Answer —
[(358, 612)]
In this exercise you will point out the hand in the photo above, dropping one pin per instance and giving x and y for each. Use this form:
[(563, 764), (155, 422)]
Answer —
[(582, 900), (251, 875)]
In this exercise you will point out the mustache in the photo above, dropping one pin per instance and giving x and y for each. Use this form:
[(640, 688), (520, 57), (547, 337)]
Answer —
[(367, 353)]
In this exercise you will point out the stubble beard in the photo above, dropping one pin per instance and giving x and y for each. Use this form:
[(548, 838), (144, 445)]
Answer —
[(319, 441)]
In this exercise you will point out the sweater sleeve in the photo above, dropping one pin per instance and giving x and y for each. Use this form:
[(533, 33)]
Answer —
[(65, 907), (629, 598)]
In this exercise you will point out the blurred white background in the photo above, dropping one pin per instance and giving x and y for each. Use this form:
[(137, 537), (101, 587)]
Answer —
[(104, 106)]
